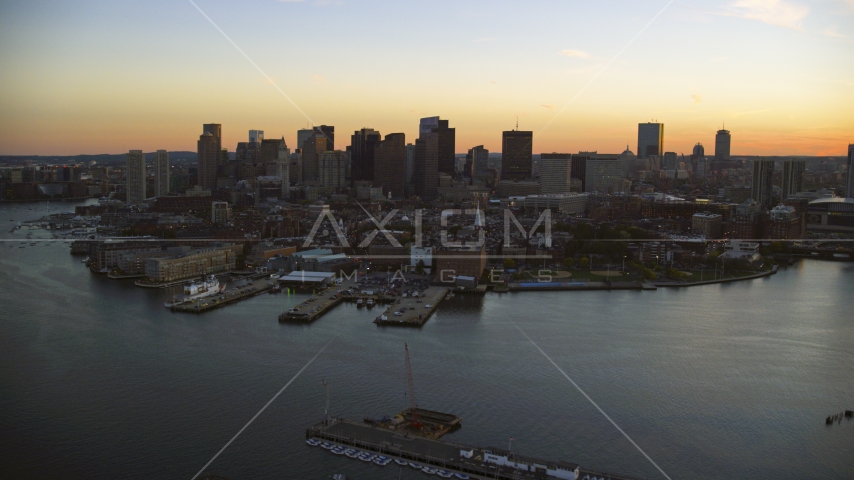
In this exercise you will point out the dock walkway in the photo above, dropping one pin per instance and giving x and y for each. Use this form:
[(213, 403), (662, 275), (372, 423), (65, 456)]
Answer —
[(418, 309)]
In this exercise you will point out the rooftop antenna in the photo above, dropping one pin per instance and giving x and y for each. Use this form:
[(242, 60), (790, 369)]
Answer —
[(517, 122)]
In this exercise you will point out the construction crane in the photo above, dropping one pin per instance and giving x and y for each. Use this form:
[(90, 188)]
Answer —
[(413, 406)]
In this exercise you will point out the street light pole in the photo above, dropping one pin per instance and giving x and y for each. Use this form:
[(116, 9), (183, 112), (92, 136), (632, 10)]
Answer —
[(325, 383)]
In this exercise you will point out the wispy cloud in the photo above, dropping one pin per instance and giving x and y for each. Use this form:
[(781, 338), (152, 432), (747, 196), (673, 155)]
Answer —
[(574, 53), (831, 32), (697, 98), (485, 39), (550, 107), (782, 13)]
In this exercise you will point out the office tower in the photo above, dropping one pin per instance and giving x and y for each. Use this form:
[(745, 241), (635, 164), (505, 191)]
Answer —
[(362, 145), (793, 178), (447, 138), (224, 156), (699, 151), (390, 165), (602, 172), (578, 169), (214, 129), (555, 173), (722, 145), (135, 176), (269, 154), (669, 161), (763, 183), (256, 135), (410, 162), (161, 173), (283, 164), (209, 156), (478, 158), (516, 155), (650, 139), (426, 165), (332, 168), (311, 150), (849, 189), (303, 135)]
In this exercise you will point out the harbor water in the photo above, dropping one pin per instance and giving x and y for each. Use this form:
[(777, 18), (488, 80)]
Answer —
[(98, 379)]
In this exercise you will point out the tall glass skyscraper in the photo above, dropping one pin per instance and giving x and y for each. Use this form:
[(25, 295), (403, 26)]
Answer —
[(650, 139)]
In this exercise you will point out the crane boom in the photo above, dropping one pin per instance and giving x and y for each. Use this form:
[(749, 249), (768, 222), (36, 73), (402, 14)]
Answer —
[(413, 405)]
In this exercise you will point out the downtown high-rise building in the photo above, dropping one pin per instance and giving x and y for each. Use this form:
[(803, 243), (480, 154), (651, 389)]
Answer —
[(517, 155), (478, 159), (390, 165), (332, 169), (447, 142), (650, 139), (322, 139), (849, 185), (602, 173), (362, 145), (793, 178), (578, 168), (723, 141), (209, 155), (161, 173), (135, 176), (410, 162), (555, 173), (256, 136), (425, 175), (763, 183)]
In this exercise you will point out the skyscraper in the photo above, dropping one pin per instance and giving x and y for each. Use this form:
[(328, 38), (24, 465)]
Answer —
[(283, 164), (849, 190), (793, 177), (209, 156), (447, 138), (256, 135), (669, 161), (135, 176), (332, 168), (410, 162), (602, 173), (516, 155), (390, 164), (214, 129), (479, 158), (426, 165), (322, 138), (362, 145), (650, 139), (161, 173), (578, 169), (555, 173), (722, 145), (269, 154), (763, 183), (699, 152)]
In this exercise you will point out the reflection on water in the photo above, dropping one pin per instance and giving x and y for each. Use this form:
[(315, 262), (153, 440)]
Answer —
[(723, 380)]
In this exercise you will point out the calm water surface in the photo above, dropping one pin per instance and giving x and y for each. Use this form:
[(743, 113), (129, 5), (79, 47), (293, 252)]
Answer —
[(97, 379)]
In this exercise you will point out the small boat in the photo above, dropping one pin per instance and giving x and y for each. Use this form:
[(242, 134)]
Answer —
[(415, 465), (370, 302), (462, 476), (429, 470), (444, 474), (352, 453), (359, 303), (400, 462), (338, 451), (327, 445), (313, 442)]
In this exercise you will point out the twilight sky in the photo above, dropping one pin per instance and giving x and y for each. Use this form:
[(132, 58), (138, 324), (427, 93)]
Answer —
[(106, 76)]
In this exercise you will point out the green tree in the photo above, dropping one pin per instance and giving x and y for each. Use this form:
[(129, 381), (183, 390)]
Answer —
[(585, 262), (568, 262), (509, 263), (419, 267)]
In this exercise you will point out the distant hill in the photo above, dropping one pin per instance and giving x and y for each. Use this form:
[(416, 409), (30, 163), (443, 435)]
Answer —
[(104, 158)]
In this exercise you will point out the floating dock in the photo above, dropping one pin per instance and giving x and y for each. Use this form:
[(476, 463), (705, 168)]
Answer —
[(466, 460), (229, 296)]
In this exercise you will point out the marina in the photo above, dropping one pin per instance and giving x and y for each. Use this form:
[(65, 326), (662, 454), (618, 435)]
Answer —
[(245, 288)]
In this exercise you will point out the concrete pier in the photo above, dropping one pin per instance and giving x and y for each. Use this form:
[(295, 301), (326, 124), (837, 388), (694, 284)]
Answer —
[(417, 309)]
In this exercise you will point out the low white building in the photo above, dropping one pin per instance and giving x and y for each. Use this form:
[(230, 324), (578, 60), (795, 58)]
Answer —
[(742, 250), (424, 254)]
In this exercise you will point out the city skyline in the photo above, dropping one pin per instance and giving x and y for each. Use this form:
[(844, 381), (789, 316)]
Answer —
[(732, 65)]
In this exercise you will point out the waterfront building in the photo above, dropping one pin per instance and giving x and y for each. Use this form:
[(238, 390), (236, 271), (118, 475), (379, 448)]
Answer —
[(785, 222), (186, 262), (707, 224), (362, 158), (516, 155), (555, 173), (650, 139), (390, 165), (723, 140), (452, 262), (161, 173), (793, 178), (421, 254), (740, 249), (135, 176)]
